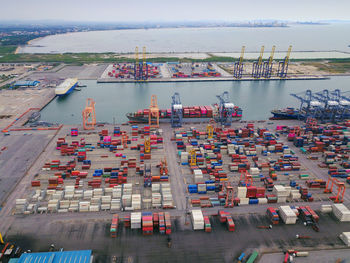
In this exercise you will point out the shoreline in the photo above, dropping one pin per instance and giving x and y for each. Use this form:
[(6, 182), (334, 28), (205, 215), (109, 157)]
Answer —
[(305, 77)]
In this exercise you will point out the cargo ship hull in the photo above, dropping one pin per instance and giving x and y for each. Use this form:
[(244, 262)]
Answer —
[(287, 114), (66, 87), (138, 119), (189, 114)]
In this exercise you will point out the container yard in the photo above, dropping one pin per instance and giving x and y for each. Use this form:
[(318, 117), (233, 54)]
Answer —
[(197, 180), (203, 177), (192, 70)]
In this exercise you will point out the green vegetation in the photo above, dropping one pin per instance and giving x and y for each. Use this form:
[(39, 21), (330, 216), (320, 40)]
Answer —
[(334, 66), (7, 49), (7, 55)]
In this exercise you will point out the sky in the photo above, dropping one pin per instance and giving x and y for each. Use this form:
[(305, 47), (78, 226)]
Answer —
[(174, 10)]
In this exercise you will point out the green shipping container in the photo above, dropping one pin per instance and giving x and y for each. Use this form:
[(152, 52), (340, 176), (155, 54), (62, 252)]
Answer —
[(253, 257)]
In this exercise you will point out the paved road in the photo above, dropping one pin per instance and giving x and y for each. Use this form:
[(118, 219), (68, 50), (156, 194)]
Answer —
[(21, 163)]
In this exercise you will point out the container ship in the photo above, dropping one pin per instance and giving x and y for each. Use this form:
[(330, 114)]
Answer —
[(286, 114), (189, 114), (66, 87)]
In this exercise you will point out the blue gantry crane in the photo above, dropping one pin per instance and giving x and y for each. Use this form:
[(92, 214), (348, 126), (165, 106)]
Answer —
[(176, 111), (140, 67), (257, 65), (267, 67), (331, 107), (283, 65), (238, 66), (226, 109), (309, 108), (344, 103)]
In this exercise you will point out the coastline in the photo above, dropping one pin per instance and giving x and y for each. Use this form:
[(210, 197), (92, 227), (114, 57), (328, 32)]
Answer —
[(30, 42)]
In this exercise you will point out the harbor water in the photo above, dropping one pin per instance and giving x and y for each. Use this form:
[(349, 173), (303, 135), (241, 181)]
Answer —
[(223, 39), (114, 100)]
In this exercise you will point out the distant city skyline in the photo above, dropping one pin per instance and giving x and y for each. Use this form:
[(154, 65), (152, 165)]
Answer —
[(180, 10)]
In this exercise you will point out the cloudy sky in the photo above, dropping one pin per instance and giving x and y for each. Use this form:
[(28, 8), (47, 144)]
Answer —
[(173, 10)]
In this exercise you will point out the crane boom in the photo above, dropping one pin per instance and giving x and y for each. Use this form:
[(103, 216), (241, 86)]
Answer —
[(242, 54), (272, 54), (261, 55)]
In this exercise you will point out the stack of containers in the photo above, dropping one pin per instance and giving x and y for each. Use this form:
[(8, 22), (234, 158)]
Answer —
[(341, 212), (281, 193), (87, 194), (114, 225), (147, 223), (21, 206), (58, 195), (69, 192), (84, 206), (78, 194), (74, 206), (64, 204), (345, 236), (198, 176), (202, 188), (156, 200), (294, 194), (135, 219), (167, 223), (106, 202), (326, 208), (197, 219), (126, 198), (136, 201), (167, 198), (117, 192), (242, 195), (95, 205), (115, 204), (52, 205), (288, 215), (184, 158)]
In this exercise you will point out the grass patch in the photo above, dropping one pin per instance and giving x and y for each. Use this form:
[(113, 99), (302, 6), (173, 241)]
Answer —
[(7, 49), (333, 67)]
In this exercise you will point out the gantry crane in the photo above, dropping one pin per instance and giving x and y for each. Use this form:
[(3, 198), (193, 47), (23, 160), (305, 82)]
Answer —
[(210, 129), (344, 103), (176, 111), (339, 198), (245, 179), (147, 145), (331, 109), (163, 167), (229, 200), (144, 68), (226, 109), (238, 66), (137, 65), (308, 106), (125, 140), (89, 115), (267, 67), (147, 175), (283, 65), (257, 65), (153, 116), (193, 160)]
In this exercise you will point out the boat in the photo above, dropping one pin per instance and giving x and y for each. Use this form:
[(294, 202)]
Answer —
[(66, 86), (189, 114), (34, 117), (287, 114)]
